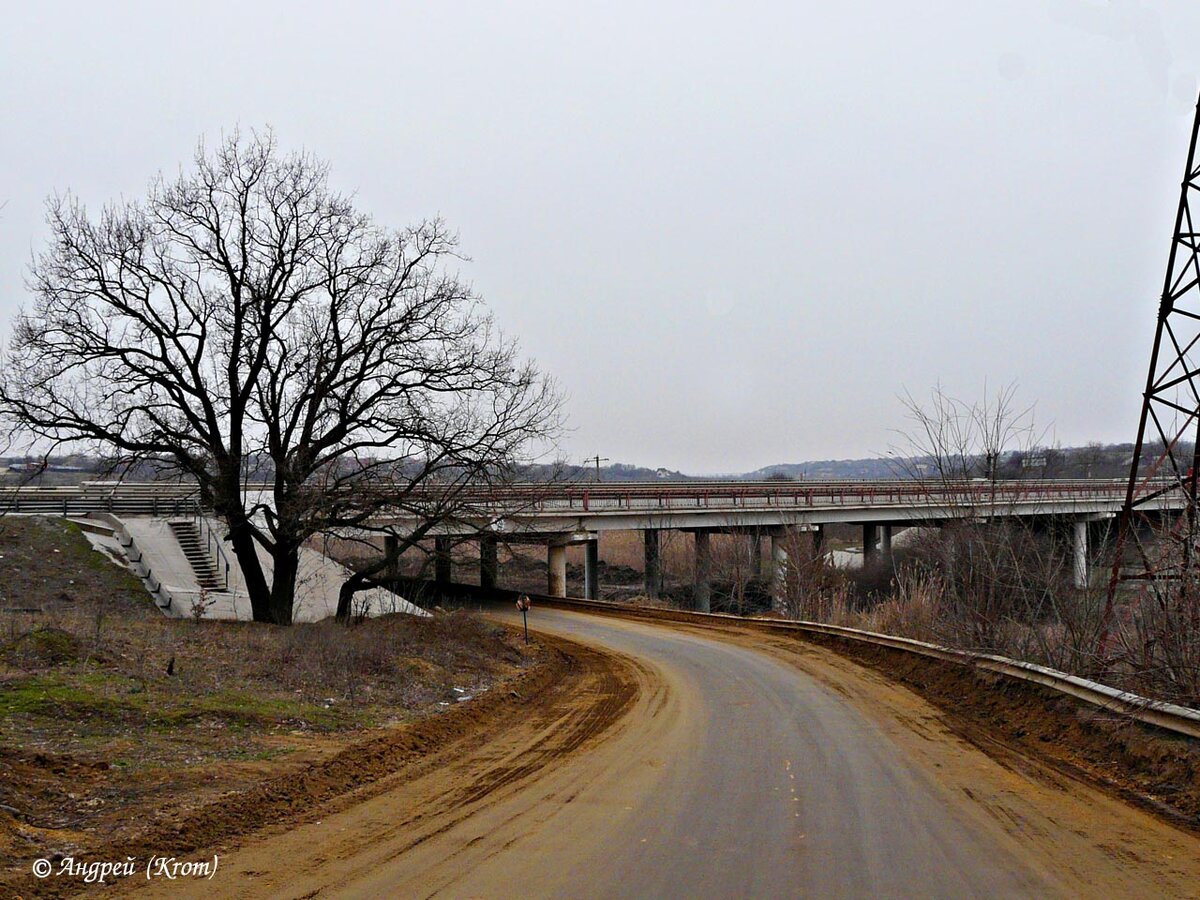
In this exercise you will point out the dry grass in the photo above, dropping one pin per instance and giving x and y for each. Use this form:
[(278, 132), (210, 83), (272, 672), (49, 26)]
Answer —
[(107, 704), (1006, 591)]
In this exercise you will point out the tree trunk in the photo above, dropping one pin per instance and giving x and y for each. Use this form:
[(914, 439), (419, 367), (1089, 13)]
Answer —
[(246, 551), (283, 583), (366, 577), (350, 587)]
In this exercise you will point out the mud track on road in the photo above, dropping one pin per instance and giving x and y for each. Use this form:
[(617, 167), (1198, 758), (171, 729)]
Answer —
[(572, 695)]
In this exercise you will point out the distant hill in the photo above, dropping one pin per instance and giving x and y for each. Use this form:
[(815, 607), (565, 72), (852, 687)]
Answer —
[(1089, 461), (616, 472), (827, 470)]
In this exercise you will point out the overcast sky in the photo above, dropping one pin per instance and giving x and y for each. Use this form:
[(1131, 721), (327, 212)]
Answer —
[(733, 232)]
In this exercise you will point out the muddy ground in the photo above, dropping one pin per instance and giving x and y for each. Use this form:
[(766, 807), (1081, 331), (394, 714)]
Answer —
[(115, 719)]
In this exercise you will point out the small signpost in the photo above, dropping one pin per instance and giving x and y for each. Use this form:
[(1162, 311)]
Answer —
[(523, 605)]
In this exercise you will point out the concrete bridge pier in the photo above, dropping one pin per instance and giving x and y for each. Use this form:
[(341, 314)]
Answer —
[(1082, 531), (702, 589), (762, 564), (1081, 546), (885, 542), (441, 559), (779, 568), (556, 569), (653, 576), (489, 563), (1079, 555), (870, 543), (591, 569)]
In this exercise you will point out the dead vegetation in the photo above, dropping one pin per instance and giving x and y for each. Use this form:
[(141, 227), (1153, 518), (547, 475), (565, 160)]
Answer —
[(108, 707), (1005, 589)]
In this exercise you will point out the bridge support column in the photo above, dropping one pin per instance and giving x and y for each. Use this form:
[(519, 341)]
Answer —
[(1080, 552), (591, 569), (391, 549), (885, 542), (818, 538), (556, 570), (441, 559), (870, 539), (779, 569), (702, 590), (652, 577), (489, 563)]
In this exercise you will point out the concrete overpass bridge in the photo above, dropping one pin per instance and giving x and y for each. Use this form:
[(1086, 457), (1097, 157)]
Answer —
[(563, 515)]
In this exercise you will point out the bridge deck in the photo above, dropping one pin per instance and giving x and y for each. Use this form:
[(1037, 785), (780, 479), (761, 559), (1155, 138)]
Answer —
[(554, 508)]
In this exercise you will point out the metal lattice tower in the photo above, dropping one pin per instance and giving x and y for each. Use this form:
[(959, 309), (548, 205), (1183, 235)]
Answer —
[(1165, 457)]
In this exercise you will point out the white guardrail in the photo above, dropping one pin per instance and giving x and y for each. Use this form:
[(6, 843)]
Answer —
[(1168, 716)]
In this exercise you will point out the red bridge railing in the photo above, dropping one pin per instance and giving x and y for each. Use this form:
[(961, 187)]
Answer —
[(759, 495)]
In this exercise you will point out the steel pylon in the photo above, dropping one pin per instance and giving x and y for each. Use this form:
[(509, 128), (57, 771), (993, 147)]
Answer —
[(1165, 456)]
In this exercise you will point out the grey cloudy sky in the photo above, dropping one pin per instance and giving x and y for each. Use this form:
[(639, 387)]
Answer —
[(733, 232)]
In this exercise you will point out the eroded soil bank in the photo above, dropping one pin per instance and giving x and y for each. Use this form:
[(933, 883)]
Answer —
[(126, 731), (570, 691)]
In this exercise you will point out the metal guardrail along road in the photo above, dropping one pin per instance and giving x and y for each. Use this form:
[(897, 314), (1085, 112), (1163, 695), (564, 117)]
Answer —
[(1169, 716)]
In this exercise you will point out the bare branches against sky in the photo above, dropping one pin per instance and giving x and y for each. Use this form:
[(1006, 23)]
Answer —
[(735, 234)]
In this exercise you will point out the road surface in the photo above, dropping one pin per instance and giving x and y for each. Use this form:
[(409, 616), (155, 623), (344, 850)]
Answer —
[(744, 767)]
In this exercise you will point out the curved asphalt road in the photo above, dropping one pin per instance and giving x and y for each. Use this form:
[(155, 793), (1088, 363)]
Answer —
[(739, 771), (780, 788)]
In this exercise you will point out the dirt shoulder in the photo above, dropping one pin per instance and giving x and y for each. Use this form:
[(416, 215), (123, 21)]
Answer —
[(455, 807), (297, 794), (123, 731)]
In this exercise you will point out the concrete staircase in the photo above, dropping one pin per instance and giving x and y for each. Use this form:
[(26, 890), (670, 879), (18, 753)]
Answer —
[(188, 534), (189, 571)]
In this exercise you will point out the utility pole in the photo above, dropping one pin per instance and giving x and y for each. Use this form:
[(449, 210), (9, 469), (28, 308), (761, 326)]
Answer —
[(598, 459)]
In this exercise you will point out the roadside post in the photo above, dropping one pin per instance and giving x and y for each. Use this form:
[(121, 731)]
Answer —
[(523, 605)]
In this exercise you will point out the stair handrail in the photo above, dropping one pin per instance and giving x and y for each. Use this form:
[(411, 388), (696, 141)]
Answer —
[(214, 543), (208, 536)]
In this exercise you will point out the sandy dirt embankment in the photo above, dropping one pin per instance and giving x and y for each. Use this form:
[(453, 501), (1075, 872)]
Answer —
[(697, 763)]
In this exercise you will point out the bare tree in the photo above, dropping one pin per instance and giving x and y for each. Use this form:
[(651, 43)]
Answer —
[(950, 441), (993, 581), (246, 323)]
